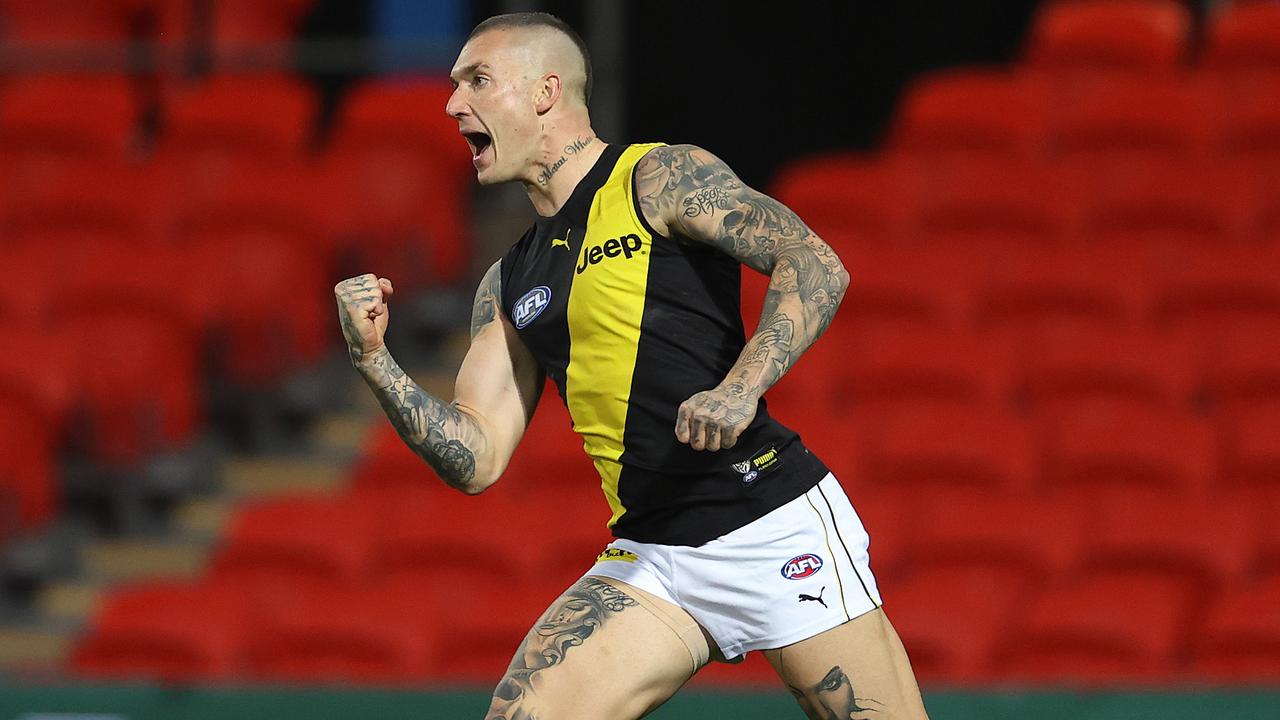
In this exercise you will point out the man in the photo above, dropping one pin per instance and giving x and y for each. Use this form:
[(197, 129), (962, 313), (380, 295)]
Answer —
[(731, 535)]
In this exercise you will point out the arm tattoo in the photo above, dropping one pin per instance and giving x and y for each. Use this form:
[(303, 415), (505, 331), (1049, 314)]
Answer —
[(698, 197), (488, 299), (832, 698), (439, 433), (568, 623)]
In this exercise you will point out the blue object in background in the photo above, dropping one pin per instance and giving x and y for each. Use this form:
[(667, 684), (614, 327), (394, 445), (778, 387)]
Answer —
[(418, 34)]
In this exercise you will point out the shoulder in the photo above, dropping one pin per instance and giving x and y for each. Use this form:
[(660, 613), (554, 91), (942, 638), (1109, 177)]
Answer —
[(672, 179)]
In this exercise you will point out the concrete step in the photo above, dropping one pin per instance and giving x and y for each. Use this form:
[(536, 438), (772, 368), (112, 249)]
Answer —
[(69, 603), (31, 648), (246, 477), (116, 561)]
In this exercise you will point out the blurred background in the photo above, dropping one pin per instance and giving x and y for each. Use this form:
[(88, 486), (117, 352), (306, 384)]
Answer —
[(1053, 391)]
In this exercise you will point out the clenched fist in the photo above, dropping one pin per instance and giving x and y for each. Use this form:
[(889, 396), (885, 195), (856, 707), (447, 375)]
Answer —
[(362, 310), (713, 419)]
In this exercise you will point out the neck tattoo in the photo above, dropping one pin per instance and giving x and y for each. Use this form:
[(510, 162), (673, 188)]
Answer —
[(572, 148)]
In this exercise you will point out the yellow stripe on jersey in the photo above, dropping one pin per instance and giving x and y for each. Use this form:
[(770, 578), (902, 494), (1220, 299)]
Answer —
[(606, 306)]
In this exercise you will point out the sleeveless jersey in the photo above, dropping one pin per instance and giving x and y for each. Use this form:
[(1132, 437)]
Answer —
[(629, 324)]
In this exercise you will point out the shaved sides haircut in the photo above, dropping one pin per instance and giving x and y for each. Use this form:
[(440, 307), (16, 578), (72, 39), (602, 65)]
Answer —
[(541, 20)]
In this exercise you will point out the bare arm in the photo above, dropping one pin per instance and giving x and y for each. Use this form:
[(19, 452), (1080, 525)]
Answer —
[(686, 192), (467, 442)]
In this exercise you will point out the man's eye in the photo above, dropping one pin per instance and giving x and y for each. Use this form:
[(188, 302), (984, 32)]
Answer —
[(480, 81)]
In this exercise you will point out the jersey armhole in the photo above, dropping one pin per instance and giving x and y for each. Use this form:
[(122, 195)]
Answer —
[(635, 201)]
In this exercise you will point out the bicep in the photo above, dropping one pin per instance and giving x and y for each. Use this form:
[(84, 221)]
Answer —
[(693, 194), (499, 381)]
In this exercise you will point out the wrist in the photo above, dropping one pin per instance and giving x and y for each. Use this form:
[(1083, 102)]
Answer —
[(371, 360), (741, 389)]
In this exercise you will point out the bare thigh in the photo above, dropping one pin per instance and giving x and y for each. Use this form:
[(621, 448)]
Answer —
[(855, 671), (604, 650)]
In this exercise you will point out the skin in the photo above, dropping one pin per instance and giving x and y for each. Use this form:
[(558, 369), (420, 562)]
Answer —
[(523, 88)]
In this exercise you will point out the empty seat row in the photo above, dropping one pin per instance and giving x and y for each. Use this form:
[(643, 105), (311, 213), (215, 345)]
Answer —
[(1145, 35), (75, 22)]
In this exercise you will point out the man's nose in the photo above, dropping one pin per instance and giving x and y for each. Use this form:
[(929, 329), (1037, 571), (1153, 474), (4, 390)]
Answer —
[(455, 108)]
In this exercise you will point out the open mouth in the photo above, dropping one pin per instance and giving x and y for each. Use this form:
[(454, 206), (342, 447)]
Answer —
[(479, 142)]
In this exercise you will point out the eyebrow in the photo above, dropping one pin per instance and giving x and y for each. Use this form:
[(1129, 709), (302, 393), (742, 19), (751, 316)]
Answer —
[(468, 70)]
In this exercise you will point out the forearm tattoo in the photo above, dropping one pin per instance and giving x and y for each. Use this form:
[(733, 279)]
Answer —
[(833, 698), (439, 433), (436, 431), (568, 623), (702, 199)]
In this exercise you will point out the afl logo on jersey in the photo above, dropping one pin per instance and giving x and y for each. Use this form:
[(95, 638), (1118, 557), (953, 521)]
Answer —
[(530, 305), (801, 566)]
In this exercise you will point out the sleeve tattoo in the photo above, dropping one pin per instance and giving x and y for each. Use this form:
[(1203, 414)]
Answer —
[(437, 431), (701, 199)]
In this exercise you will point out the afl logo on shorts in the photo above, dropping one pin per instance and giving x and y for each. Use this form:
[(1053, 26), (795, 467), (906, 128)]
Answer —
[(801, 566), (530, 305)]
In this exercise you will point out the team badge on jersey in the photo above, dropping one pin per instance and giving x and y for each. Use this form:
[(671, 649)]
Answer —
[(801, 566), (530, 306)]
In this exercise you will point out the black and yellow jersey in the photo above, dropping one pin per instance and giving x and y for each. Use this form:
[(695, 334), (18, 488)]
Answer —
[(629, 324)]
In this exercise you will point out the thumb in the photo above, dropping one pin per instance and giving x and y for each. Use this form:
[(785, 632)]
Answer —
[(385, 285)]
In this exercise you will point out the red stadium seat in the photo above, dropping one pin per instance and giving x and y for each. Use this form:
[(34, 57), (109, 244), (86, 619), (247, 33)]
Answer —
[(1239, 640), (134, 405), (403, 176), (234, 270), (28, 484), (940, 447), (1204, 545), (1108, 117), (1029, 287), (974, 111), (399, 209), (1027, 539), (76, 116), (953, 641), (164, 631), (408, 115), (1205, 288), (1159, 203), (1092, 35), (279, 547), (481, 627), (925, 286), (1070, 362), (992, 203), (848, 199), (1244, 37), (1267, 552), (1242, 363), (1108, 445), (1249, 125), (69, 22), (895, 364), (1100, 630), (468, 540), (263, 116), (107, 201), (371, 635), (1250, 442)]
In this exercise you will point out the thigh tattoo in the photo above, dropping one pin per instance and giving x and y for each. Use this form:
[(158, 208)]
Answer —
[(832, 698), (568, 623)]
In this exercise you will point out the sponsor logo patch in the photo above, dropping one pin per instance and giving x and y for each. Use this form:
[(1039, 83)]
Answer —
[(801, 566), (617, 554), (766, 458), (530, 306), (626, 246)]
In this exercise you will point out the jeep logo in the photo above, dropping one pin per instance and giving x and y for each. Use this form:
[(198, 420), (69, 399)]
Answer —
[(626, 245)]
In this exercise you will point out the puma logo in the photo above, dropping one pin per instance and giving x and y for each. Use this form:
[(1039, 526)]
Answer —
[(818, 599), (557, 242)]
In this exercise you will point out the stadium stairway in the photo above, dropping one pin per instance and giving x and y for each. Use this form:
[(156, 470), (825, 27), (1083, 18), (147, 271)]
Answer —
[(36, 642)]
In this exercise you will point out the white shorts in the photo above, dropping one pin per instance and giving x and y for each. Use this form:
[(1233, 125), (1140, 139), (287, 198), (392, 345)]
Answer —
[(796, 572)]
